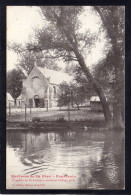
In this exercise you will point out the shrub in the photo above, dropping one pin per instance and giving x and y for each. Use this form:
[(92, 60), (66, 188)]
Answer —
[(61, 119), (36, 119), (24, 124)]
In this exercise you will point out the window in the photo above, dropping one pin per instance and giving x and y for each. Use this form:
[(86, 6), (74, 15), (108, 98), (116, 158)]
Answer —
[(54, 92)]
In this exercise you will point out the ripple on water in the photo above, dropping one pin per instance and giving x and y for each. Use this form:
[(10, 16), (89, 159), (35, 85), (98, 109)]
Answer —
[(91, 160)]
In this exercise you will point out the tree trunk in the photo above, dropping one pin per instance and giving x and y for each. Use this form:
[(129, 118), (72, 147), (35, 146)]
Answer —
[(117, 117), (77, 106), (118, 90), (99, 91), (118, 121)]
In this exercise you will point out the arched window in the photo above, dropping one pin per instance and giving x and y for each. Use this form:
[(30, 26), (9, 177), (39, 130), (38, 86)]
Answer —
[(54, 92)]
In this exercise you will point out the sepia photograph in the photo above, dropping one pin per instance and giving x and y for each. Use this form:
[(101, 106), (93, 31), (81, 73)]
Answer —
[(65, 97)]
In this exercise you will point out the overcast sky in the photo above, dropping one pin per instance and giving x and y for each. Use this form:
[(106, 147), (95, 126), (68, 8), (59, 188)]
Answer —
[(21, 20)]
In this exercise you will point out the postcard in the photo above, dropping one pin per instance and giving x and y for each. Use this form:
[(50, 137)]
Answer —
[(65, 123)]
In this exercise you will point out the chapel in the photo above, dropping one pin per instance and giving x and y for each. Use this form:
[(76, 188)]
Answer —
[(41, 88)]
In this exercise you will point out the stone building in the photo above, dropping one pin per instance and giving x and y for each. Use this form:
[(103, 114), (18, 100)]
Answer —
[(95, 103), (41, 88)]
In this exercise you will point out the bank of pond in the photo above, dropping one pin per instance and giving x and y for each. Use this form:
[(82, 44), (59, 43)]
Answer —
[(58, 125)]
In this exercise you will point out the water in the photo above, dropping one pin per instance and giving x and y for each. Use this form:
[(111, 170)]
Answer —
[(66, 160)]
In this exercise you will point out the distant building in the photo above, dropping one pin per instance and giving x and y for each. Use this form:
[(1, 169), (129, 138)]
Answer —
[(41, 88), (95, 103), (9, 100)]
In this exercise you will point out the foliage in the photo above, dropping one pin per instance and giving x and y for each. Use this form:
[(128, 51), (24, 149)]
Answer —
[(72, 93), (105, 76), (14, 82), (36, 119), (28, 59), (26, 62), (113, 22), (53, 41), (82, 80)]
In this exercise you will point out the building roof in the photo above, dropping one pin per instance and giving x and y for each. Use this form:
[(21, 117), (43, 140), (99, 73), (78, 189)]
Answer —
[(9, 97), (95, 99), (56, 77)]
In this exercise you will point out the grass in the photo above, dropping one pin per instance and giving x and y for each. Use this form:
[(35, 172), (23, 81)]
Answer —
[(83, 114)]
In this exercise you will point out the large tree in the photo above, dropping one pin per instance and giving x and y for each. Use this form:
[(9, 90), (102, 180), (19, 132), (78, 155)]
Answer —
[(113, 22)]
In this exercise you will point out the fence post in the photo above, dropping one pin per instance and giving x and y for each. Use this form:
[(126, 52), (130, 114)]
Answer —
[(30, 109), (47, 105), (9, 110), (68, 111), (25, 112)]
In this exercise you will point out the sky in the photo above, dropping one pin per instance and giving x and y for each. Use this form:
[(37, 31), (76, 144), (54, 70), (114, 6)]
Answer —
[(20, 23), (21, 20)]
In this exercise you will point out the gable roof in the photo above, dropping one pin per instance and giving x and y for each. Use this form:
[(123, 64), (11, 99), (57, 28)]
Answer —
[(9, 97), (56, 77)]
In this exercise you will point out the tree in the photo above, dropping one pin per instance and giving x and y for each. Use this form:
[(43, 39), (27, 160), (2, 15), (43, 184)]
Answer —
[(63, 39), (26, 62), (72, 93), (14, 82), (28, 59), (113, 21), (81, 79), (104, 75)]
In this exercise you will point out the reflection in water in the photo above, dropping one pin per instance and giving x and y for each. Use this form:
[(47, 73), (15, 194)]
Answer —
[(95, 158)]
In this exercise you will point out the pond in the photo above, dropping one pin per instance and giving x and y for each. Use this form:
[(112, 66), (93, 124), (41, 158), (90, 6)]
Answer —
[(65, 160)]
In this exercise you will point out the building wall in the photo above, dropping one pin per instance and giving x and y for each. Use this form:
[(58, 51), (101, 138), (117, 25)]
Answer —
[(96, 106), (11, 102), (54, 92), (18, 103), (37, 86)]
